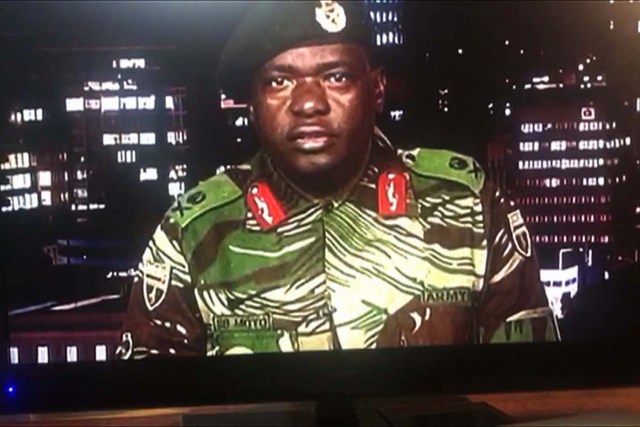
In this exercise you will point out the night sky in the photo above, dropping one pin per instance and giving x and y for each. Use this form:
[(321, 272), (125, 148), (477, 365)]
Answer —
[(562, 24)]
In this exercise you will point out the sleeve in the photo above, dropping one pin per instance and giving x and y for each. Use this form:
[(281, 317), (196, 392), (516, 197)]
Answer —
[(513, 306), (162, 317)]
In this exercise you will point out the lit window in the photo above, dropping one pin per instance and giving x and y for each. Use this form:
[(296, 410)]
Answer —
[(168, 102), (126, 156), (110, 86), (146, 102), (241, 121), (101, 353), (21, 181), (80, 193), (92, 85), (129, 138), (176, 188), (72, 353), (29, 115), (396, 115), (182, 170), (148, 174), (128, 103), (74, 104), (16, 118), (132, 63), (176, 137), (110, 103), (46, 198), (32, 201), (43, 354), (110, 139), (14, 355), (39, 114), (147, 138), (92, 104), (129, 84)]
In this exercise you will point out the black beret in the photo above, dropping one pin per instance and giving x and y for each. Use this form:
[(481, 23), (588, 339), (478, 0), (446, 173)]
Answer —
[(272, 27)]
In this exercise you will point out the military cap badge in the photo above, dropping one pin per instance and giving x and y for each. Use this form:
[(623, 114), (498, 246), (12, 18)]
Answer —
[(331, 16)]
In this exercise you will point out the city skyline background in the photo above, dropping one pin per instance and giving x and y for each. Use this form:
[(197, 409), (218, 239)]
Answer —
[(110, 109)]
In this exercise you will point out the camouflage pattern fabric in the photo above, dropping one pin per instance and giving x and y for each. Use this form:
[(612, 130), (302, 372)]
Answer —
[(456, 267)]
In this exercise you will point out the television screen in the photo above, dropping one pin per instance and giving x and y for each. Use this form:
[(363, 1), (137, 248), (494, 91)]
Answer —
[(224, 178)]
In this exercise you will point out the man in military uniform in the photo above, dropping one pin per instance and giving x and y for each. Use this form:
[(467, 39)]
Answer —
[(330, 238)]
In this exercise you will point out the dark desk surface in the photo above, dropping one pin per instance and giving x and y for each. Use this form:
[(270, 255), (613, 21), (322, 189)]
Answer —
[(521, 407)]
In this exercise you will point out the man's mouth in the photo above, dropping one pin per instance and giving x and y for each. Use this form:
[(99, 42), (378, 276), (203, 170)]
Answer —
[(311, 139)]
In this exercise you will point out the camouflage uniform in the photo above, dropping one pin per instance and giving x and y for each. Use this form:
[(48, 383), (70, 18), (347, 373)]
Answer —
[(422, 251)]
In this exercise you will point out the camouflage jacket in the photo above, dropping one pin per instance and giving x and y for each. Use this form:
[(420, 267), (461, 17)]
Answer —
[(422, 251)]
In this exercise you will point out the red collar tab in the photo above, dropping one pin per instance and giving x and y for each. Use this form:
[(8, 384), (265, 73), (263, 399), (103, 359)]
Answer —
[(392, 193), (264, 206)]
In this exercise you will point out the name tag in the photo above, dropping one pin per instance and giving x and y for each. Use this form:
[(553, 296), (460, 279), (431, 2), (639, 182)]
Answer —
[(262, 322)]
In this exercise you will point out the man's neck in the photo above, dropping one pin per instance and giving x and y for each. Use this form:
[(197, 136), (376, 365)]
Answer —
[(335, 184)]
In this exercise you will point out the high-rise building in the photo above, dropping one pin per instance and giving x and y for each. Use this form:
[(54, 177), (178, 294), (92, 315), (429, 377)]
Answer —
[(97, 152), (388, 37), (620, 29), (572, 168), (127, 124), (569, 166), (33, 164), (112, 125), (386, 17)]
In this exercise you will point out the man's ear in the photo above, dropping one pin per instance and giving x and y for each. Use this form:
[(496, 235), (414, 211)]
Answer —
[(379, 79)]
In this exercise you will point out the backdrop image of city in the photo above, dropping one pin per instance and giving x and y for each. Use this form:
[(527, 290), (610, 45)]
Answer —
[(110, 110)]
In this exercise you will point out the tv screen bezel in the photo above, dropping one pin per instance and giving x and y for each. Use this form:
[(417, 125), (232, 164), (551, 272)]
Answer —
[(307, 376)]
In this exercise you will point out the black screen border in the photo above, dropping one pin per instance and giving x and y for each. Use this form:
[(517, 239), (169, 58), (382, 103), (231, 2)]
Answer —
[(188, 381)]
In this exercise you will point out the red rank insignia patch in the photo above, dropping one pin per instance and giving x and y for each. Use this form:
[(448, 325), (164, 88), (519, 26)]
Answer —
[(265, 207), (392, 193)]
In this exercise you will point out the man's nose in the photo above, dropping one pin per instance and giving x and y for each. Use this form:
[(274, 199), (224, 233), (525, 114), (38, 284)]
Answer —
[(309, 98)]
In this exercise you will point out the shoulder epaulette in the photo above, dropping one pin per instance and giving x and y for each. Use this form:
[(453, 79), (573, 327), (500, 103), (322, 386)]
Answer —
[(445, 164), (209, 194)]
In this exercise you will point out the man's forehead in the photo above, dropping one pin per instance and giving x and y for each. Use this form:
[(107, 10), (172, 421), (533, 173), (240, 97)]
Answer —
[(313, 57)]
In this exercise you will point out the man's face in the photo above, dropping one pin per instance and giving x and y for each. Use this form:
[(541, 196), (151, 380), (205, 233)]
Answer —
[(314, 107)]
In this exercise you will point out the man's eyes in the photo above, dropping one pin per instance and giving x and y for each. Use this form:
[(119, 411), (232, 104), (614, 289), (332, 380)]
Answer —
[(336, 77), (339, 77), (278, 82)]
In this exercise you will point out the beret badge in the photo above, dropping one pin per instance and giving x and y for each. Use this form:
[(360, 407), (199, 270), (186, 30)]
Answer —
[(331, 16)]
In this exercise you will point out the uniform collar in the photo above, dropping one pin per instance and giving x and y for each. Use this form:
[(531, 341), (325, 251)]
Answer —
[(280, 195)]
